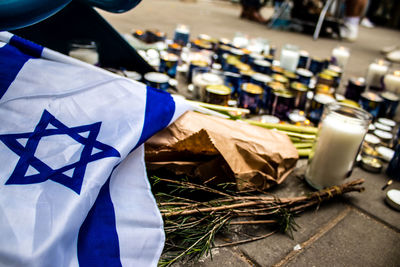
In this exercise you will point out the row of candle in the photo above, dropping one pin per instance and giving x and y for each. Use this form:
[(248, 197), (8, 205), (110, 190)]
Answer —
[(224, 63)]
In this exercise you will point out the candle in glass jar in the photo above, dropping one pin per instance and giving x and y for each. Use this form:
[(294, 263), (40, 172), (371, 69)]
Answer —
[(392, 82), (340, 56), (341, 132), (375, 73), (289, 58)]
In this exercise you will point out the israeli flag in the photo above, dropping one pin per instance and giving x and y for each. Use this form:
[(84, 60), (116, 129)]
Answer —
[(73, 184)]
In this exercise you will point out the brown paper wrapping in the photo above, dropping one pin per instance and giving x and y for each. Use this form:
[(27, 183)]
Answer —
[(222, 150)]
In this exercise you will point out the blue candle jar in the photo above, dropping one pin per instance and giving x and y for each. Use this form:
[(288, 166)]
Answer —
[(267, 95), (218, 94), (371, 102), (233, 81), (303, 59), (317, 107), (250, 97), (281, 79), (291, 76), (299, 91), (355, 88), (168, 64), (282, 104), (157, 80), (389, 105), (316, 65), (304, 76), (393, 170), (181, 35), (262, 66)]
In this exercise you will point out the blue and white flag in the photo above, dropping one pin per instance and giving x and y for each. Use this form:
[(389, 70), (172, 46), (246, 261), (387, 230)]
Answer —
[(73, 184)]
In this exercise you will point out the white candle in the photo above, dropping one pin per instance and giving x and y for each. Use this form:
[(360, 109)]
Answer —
[(202, 80), (375, 73), (289, 59), (334, 152), (340, 55), (86, 55), (392, 82)]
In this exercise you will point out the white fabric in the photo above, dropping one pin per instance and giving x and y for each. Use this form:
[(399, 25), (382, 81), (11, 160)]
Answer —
[(40, 222)]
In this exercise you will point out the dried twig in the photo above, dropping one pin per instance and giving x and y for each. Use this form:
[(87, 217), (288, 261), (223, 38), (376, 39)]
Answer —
[(245, 241)]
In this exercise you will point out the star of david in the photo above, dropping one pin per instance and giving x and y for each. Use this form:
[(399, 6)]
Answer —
[(27, 153)]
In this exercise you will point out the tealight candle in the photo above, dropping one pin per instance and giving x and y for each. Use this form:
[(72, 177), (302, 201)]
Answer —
[(392, 82), (340, 56), (289, 57), (375, 73), (341, 132)]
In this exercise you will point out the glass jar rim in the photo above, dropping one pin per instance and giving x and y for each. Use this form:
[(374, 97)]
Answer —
[(349, 113), (86, 44)]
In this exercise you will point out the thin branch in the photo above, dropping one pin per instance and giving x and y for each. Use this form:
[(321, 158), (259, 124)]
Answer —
[(254, 222), (245, 241)]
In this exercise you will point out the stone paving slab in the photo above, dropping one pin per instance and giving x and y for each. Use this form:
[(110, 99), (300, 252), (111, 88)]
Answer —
[(357, 240), (372, 200), (220, 257), (271, 250)]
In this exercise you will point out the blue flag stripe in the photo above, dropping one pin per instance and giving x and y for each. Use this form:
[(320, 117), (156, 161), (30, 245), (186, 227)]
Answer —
[(98, 243), (160, 108), (26, 46), (12, 61)]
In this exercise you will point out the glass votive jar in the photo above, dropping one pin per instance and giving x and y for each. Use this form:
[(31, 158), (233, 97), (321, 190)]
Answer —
[(371, 102), (181, 35), (303, 59), (84, 50), (391, 82), (393, 169), (375, 74), (157, 80), (168, 64), (218, 94), (289, 57), (389, 105), (316, 65), (340, 56), (354, 89), (202, 79), (341, 132), (250, 97), (282, 103)]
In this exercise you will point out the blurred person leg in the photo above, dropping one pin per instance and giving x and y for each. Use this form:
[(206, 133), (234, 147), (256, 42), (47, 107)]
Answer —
[(251, 10), (354, 10)]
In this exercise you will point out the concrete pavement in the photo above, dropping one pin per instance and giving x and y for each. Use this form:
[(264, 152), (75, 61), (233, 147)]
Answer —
[(357, 230)]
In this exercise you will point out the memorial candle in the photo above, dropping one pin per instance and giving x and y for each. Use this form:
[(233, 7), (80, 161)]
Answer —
[(341, 132), (85, 51), (392, 82), (375, 73), (340, 56), (289, 57)]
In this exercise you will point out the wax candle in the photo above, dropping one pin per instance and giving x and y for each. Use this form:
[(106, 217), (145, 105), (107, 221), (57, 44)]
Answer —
[(375, 73), (340, 56), (181, 35), (392, 82), (157, 80), (371, 102), (84, 51), (341, 132), (289, 57), (202, 80)]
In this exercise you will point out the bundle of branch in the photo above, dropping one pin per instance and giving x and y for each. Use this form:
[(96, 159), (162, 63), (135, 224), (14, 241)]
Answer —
[(302, 137), (191, 225)]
